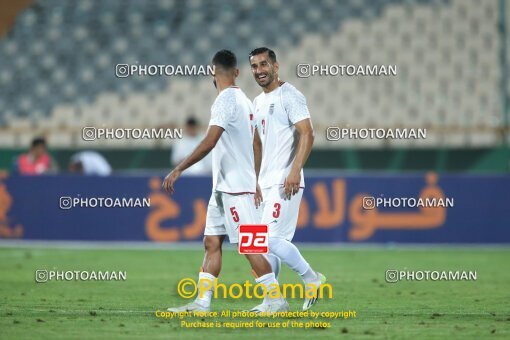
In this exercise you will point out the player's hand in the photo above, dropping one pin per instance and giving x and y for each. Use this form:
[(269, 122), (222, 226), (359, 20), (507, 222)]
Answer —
[(258, 196), (168, 183), (291, 184)]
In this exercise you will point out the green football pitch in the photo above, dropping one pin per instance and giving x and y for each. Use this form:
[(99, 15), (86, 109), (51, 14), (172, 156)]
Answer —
[(407, 309)]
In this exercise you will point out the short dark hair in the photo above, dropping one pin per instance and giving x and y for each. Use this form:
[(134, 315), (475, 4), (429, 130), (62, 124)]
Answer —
[(38, 141), (225, 59), (261, 50)]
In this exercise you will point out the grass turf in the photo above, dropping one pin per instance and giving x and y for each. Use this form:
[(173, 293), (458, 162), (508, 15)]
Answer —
[(76, 309)]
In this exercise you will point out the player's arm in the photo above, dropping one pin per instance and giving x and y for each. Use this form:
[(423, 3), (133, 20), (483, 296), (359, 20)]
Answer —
[(306, 138), (257, 152), (206, 145), (297, 111)]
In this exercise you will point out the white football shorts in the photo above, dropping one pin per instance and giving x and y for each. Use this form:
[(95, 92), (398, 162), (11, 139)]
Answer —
[(226, 212), (280, 215)]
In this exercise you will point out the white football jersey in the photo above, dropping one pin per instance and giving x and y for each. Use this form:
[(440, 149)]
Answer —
[(275, 115), (233, 163)]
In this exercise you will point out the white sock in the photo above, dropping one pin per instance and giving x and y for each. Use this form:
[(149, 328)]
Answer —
[(205, 300), (269, 281), (291, 256), (309, 276), (275, 263)]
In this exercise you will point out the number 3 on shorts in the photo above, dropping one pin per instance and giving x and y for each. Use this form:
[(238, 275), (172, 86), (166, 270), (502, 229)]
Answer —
[(235, 215), (276, 212)]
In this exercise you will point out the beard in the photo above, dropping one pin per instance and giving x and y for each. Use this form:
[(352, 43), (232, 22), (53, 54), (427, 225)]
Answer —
[(265, 82)]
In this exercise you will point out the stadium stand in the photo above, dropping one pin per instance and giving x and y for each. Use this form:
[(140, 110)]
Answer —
[(449, 75)]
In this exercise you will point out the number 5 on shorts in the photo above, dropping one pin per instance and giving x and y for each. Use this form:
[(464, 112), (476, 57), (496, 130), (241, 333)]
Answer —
[(235, 215)]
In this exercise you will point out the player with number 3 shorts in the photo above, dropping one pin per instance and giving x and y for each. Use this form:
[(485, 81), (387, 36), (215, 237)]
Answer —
[(283, 140)]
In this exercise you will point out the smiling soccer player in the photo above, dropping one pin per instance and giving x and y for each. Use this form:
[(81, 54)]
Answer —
[(232, 203), (285, 134)]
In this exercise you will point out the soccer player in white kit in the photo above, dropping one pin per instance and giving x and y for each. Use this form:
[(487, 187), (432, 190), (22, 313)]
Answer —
[(284, 132), (232, 203)]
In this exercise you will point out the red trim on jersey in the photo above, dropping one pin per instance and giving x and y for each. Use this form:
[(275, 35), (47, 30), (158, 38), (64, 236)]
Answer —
[(238, 193)]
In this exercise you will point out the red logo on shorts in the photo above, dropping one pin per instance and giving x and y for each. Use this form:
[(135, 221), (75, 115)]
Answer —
[(253, 239)]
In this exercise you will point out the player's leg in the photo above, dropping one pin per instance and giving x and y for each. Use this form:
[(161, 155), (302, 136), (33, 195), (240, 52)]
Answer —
[(212, 256), (281, 217), (275, 263), (292, 257), (267, 278), (259, 264), (211, 266), (273, 260), (244, 207)]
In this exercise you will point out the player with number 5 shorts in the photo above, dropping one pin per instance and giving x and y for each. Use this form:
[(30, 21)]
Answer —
[(233, 200), (283, 140)]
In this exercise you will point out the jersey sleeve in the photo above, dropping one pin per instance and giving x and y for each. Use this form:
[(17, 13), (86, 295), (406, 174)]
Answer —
[(295, 106), (255, 118), (223, 110)]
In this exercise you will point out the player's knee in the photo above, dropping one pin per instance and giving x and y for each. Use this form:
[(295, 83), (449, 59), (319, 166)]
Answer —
[(274, 245), (212, 244)]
